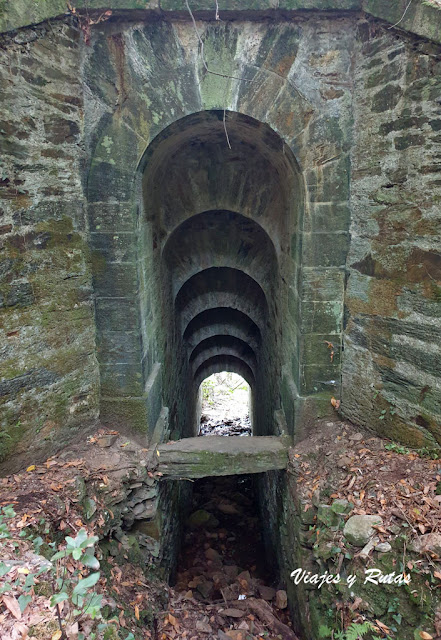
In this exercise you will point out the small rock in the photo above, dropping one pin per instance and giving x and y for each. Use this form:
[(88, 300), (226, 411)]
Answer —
[(356, 437), (106, 441), (245, 575), (202, 518), (364, 553), (231, 571), (429, 542), (343, 462), (89, 507), (341, 506), (358, 529), (228, 509), (203, 626), (213, 555), (281, 599), (266, 593), (383, 547), (326, 515), (25, 36), (205, 588)]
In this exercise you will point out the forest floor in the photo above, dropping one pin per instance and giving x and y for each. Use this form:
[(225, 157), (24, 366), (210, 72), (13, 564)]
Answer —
[(221, 588)]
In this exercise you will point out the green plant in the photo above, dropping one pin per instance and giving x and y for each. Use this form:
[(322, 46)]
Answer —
[(72, 575), (355, 631)]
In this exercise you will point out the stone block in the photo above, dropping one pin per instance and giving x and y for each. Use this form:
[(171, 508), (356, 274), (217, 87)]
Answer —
[(315, 378), (114, 280), (319, 349), (323, 284), (125, 413), (119, 314), (111, 217), (119, 346), (325, 249), (322, 317), (114, 246), (327, 516), (327, 216), (121, 379)]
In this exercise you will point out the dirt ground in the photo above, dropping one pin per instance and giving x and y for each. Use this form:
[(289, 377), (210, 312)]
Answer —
[(221, 590)]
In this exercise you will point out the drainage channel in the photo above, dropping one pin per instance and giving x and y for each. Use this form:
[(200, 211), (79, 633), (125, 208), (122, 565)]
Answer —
[(227, 588)]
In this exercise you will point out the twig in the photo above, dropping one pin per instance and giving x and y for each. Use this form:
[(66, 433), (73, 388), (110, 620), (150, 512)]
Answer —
[(201, 42), (402, 17), (216, 17), (226, 132)]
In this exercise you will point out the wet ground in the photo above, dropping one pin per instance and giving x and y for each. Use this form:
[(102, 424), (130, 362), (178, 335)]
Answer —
[(218, 426), (225, 406)]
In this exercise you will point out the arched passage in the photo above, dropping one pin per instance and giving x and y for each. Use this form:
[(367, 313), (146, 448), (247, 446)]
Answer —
[(223, 225)]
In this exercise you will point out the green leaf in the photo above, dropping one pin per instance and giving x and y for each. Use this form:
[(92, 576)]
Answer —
[(37, 542), (4, 569), (77, 553), (59, 597), (60, 554), (90, 561), (94, 606), (80, 538), (30, 581), (5, 588), (83, 585), (23, 602)]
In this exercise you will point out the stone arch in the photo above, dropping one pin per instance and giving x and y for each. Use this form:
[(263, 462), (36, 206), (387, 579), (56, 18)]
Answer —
[(286, 170)]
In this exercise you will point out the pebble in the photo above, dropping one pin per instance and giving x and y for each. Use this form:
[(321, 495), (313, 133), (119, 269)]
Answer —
[(383, 547), (281, 599)]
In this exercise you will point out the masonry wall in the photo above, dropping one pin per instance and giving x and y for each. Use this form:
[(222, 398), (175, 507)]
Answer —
[(49, 380), (392, 358), (358, 105)]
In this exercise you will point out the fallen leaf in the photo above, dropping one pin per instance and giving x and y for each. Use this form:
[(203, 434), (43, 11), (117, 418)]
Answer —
[(56, 635), (12, 605), (425, 636), (31, 468)]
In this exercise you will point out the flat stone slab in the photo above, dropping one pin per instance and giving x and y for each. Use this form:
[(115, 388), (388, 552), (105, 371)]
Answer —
[(222, 456)]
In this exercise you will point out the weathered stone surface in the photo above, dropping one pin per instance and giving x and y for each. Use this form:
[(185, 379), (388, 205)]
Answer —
[(358, 529), (216, 455), (334, 131)]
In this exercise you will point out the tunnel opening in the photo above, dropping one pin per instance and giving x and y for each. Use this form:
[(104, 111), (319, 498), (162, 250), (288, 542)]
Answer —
[(220, 244), (225, 401)]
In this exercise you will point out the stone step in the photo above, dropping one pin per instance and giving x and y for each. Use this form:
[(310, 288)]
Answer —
[(222, 456)]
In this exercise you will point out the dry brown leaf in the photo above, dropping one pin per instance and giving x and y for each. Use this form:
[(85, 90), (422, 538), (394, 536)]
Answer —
[(12, 605), (57, 635), (425, 636)]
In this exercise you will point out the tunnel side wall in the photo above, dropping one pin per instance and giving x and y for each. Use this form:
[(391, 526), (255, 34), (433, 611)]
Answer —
[(380, 176)]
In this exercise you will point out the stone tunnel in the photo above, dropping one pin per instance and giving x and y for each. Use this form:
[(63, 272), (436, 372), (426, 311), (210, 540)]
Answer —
[(183, 195)]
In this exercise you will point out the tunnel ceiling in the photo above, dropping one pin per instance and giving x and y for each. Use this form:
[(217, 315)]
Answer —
[(222, 221)]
